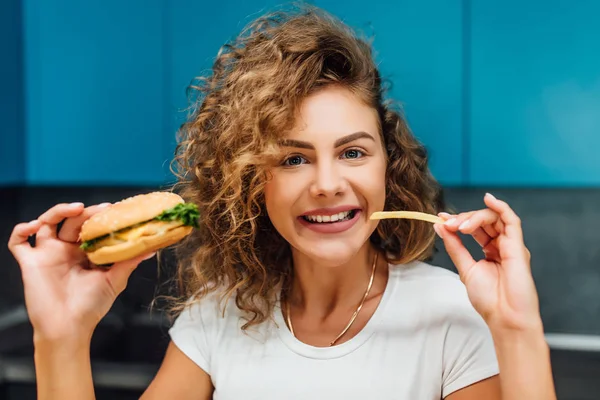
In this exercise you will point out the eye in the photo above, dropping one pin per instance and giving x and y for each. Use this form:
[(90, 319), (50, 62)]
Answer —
[(352, 154), (294, 161)]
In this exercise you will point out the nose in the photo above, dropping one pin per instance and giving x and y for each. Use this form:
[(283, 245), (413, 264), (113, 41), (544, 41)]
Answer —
[(329, 180)]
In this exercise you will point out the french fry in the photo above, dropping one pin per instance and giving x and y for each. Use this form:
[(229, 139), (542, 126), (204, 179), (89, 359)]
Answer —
[(434, 219)]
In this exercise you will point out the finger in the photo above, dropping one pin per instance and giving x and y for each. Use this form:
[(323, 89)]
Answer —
[(510, 220), (486, 219), (481, 237), (119, 273), (72, 226), (19, 238), (455, 221), (445, 216), (51, 218), (464, 223), (494, 229), (481, 225), (455, 248), (491, 251), (481, 218)]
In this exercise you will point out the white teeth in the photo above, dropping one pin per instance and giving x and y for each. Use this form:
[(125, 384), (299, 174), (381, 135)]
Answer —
[(328, 218)]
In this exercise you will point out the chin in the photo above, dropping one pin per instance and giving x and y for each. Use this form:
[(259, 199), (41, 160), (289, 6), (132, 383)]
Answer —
[(330, 253)]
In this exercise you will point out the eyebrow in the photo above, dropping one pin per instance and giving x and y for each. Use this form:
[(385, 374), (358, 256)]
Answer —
[(340, 142)]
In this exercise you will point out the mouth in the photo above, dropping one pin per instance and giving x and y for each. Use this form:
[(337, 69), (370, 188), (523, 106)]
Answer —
[(330, 219)]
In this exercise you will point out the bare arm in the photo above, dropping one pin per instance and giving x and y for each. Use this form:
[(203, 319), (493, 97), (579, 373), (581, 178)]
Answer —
[(63, 370), (488, 389), (502, 290), (179, 378), (524, 359)]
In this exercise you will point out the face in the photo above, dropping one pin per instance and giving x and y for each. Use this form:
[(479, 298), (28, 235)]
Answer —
[(331, 178)]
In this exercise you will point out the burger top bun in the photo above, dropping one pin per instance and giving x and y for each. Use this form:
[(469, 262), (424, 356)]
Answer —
[(128, 212)]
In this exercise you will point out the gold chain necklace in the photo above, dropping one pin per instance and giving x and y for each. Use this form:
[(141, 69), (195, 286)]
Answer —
[(289, 318)]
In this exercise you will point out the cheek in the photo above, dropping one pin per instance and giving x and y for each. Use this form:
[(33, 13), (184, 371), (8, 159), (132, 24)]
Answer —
[(372, 184), (382, 181), (376, 191), (278, 199), (270, 196)]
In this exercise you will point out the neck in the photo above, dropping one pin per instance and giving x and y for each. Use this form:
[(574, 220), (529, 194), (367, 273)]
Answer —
[(320, 289)]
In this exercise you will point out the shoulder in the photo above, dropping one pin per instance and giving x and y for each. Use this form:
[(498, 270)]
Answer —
[(217, 319), (429, 278), (209, 312), (440, 304), (203, 324), (436, 290)]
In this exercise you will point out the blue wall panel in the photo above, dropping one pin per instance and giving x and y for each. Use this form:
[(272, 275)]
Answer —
[(535, 117), (196, 32), (12, 140), (95, 91)]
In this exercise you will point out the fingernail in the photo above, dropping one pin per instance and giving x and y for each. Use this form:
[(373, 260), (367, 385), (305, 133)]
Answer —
[(149, 256), (491, 196), (102, 205), (437, 230), (444, 214), (33, 222), (464, 225), (450, 221), (75, 205)]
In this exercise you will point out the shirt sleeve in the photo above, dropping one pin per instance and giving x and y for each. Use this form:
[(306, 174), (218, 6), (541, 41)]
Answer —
[(190, 334), (469, 355)]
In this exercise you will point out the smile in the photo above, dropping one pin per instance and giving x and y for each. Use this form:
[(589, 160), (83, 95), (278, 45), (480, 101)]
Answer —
[(327, 223), (339, 217)]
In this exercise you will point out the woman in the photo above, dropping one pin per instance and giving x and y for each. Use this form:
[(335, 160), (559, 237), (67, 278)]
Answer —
[(289, 290)]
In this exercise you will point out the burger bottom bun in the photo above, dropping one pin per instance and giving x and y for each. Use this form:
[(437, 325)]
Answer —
[(143, 245)]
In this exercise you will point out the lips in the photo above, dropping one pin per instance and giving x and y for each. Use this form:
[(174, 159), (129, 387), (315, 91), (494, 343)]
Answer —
[(326, 218), (330, 220)]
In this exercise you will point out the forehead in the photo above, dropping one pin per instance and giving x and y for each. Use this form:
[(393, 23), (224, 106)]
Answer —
[(331, 113)]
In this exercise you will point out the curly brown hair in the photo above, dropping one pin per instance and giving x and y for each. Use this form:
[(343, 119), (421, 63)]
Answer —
[(240, 114)]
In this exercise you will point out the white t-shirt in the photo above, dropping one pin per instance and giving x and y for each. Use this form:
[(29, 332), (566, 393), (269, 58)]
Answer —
[(423, 342)]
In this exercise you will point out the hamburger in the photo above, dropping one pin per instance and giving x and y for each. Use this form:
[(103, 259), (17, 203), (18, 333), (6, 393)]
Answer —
[(138, 225)]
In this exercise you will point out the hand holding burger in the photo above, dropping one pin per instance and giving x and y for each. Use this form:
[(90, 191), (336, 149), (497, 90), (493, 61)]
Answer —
[(65, 295)]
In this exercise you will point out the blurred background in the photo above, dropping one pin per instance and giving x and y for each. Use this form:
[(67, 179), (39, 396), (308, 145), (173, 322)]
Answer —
[(504, 94)]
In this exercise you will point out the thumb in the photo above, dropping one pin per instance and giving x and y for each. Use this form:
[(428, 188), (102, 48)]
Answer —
[(457, 251), (119, 273)]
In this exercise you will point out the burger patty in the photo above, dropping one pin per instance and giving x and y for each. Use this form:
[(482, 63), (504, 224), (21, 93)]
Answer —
[(149, 228)]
